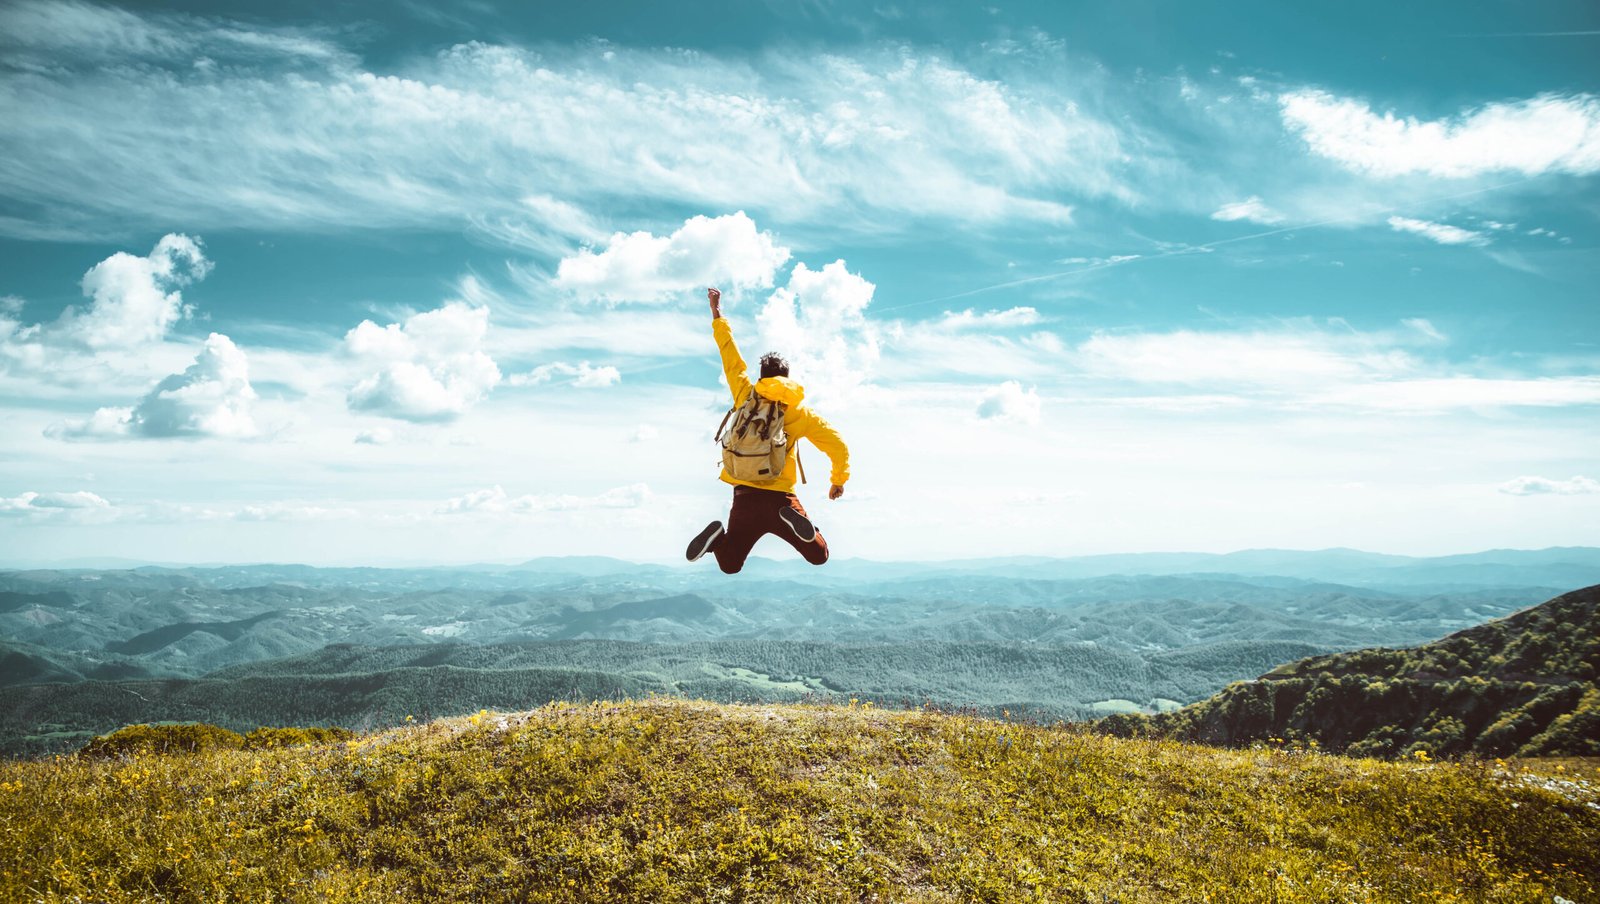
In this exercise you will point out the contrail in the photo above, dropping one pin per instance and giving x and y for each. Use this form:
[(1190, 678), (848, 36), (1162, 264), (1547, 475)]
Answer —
[(1192, 249)]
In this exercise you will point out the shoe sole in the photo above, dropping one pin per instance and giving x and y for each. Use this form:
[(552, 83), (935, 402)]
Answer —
[(704, 541), (800, 524)]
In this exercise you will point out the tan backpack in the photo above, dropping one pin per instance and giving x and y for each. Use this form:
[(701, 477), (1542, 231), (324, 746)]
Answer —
[(754, 446)]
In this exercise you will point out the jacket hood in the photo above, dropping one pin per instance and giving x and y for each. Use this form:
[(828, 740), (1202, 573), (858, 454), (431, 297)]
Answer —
[(780, 389)]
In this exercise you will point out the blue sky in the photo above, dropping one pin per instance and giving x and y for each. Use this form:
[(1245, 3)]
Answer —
[(397, 285)]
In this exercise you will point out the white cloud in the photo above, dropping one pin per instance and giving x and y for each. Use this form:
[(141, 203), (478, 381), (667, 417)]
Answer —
[(285, 511), (1443, 233), (982, 345), (1306, 366), (279, 129), (136, 299), (495, 500), (211, 398), (582, 375), (1108, 261), (377, 436), (1536, 486), (644, 433), (44, 504), (818, 321), (988, 320), (431, 367), (1425, 327), (1547, 133), (134, 303), (1305, 357), (1010, 402), (726, 251), (1251, 209), (544, 225), (1447, 393), (49, 32)]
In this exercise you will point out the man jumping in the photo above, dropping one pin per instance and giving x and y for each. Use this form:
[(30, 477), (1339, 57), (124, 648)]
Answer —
[(769, 506)]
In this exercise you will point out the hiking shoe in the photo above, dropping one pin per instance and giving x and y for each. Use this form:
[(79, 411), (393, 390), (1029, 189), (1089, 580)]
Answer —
[(705, 541), (800, 524)]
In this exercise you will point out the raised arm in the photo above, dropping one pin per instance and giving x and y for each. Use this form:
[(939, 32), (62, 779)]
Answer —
[(733, 366)]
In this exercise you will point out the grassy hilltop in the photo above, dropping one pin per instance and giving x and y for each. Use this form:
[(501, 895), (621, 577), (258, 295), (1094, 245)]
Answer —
[(666, 800)]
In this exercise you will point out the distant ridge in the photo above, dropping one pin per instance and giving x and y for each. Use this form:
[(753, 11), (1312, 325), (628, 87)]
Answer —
[(1527, 684), (1557, 568)]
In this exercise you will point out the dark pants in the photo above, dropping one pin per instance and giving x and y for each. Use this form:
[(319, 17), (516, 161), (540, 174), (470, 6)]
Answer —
[(755, 513)]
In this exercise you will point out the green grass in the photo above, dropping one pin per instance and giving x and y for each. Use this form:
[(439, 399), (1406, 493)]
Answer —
[(667, 800)]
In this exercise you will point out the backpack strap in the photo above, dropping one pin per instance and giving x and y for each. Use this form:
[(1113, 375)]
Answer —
[(744, 418), (723, 425), (798, 463), (766, 426)]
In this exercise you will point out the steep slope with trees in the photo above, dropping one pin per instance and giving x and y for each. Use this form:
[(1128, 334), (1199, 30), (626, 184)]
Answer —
[(1527, 684)]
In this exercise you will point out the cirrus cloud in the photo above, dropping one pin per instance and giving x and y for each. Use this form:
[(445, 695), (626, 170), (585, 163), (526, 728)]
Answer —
[(1550, 133), (495, 500), (1251, 209), (1443, 233), (582, 375)]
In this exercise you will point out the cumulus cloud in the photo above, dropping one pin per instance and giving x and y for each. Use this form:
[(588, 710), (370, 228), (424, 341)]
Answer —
[(45, 504), (495, 500), (1251, 209), (1538, 486), (431, 368), (211, 398), (1010, 402), (134, 302), (582, 375), (726, 251), (136, 299), (377, 436), (1549, 133), (1443, 233), (818, 321)]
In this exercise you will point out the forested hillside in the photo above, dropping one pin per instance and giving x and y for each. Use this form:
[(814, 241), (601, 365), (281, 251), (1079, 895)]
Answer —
[(1528, 685)]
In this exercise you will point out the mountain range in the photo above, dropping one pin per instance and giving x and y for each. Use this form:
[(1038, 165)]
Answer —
[(86, 650)]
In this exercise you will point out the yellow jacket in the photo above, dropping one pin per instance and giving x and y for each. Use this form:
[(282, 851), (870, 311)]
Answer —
[(798, 420)]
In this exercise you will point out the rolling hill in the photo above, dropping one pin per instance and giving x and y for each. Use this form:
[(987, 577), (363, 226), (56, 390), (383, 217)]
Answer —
[(678, 801)]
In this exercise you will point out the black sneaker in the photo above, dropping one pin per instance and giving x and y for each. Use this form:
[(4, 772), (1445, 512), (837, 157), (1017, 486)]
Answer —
[(705, 541), (800, 524)]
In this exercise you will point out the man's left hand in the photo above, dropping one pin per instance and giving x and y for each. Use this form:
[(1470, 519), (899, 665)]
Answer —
[(835, 491)]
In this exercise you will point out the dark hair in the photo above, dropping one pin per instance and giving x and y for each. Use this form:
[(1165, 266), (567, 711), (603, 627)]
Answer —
[(773, 365)]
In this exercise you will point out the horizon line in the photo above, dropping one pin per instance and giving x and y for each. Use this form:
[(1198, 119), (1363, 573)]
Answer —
[(122, 563)]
